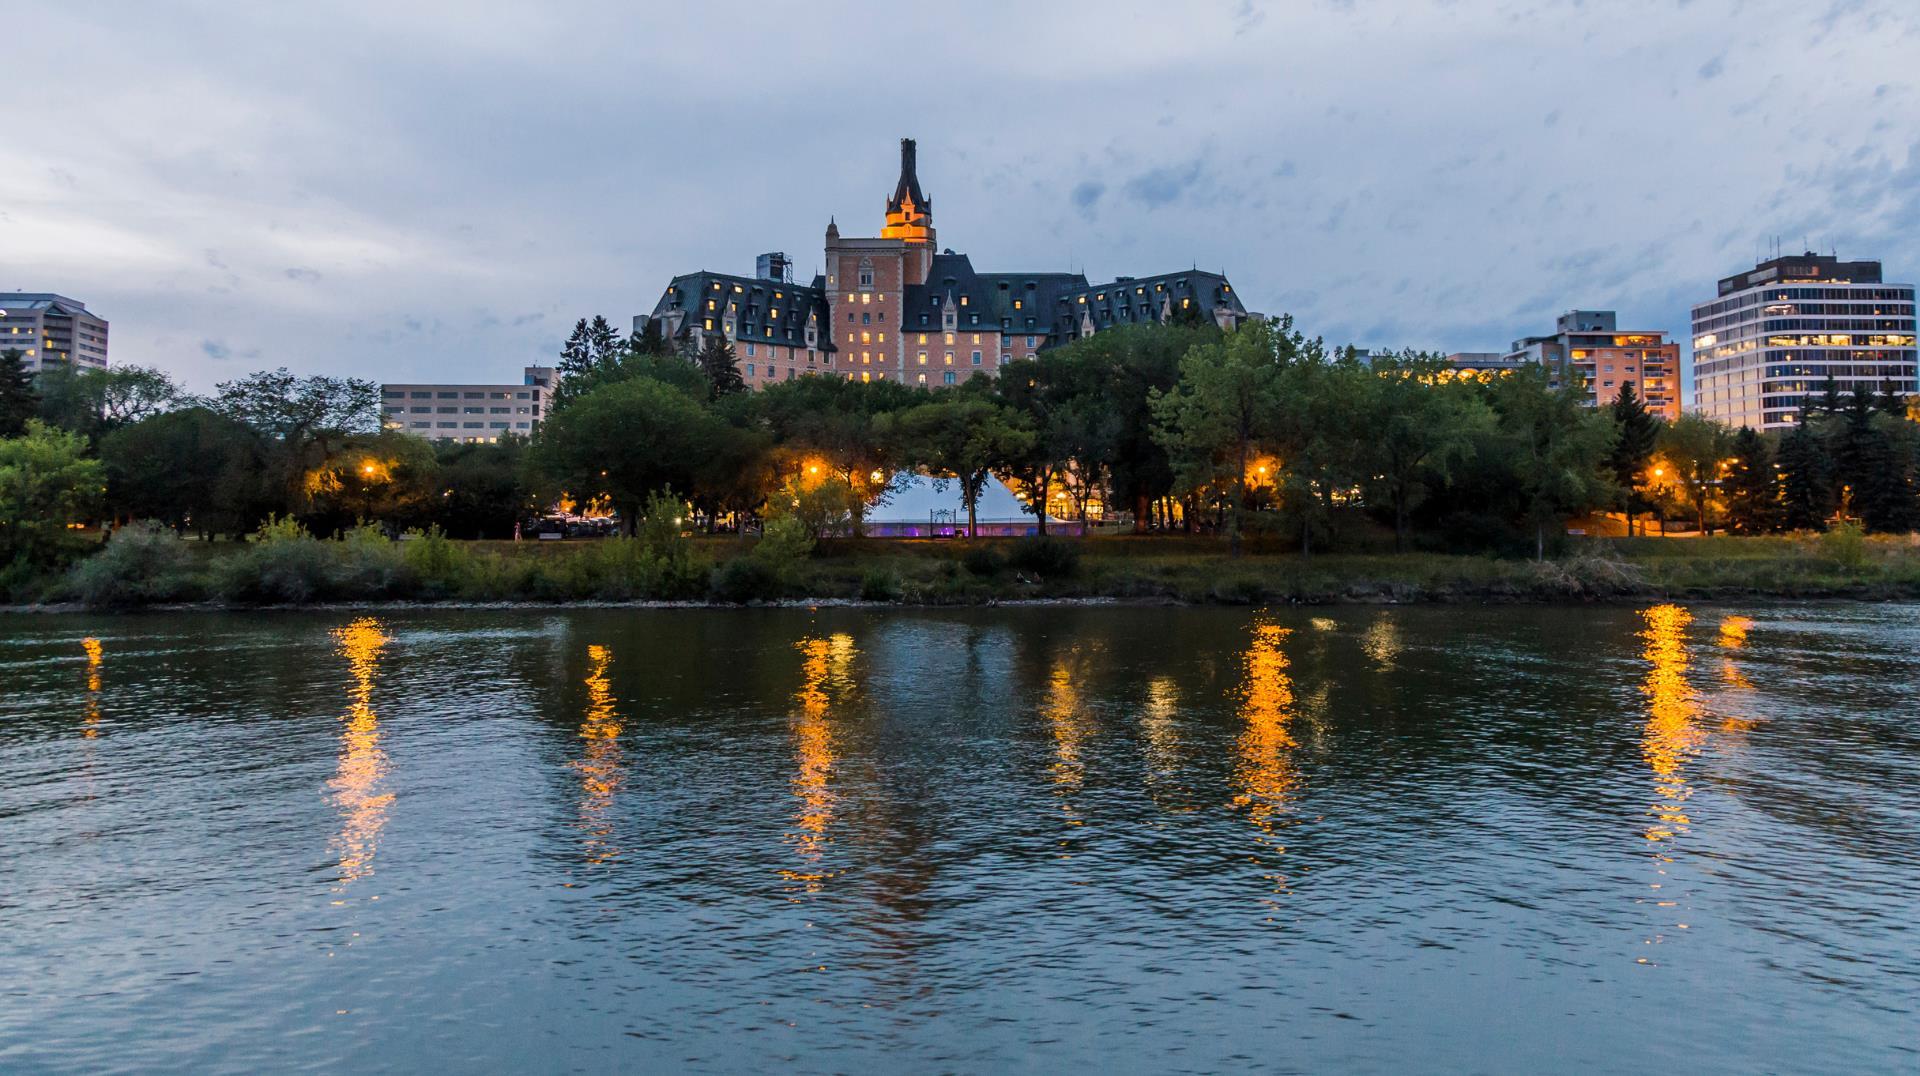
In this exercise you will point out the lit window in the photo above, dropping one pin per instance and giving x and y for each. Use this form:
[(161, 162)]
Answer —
[(923, 358), (949, 358), (949, 338), (923, 379), (923, 338)]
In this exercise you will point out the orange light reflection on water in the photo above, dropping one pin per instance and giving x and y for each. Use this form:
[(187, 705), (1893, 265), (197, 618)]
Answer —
[(1068, 725), (90, 721), (1263, 769), (1672, 737), (355, 786), (826, 671), (600, 766)]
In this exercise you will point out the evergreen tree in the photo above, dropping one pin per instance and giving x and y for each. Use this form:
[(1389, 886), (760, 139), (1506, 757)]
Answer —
[(1829, 396), (717, 363), (1752, 486), (1890, 402), (649, 342), (603, 344), (1636, 431), (576, 355), (1857, 449), (17, 400), (1806, 480)]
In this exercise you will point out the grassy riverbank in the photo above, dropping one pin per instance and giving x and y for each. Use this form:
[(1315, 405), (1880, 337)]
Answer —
[(145, 567)]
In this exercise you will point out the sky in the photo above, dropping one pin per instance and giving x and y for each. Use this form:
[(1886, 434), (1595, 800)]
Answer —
[(425, 191)]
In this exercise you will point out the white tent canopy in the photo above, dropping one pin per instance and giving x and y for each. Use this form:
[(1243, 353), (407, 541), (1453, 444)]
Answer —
[(919, 499)]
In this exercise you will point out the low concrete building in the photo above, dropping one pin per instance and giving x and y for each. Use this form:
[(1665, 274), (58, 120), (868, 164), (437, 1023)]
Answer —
[(471, 413), (50, 330)]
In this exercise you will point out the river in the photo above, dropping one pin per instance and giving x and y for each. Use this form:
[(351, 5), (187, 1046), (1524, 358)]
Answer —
[(1034, 839)]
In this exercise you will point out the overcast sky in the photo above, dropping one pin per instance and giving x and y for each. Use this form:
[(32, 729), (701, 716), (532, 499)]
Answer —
[(414, 191)]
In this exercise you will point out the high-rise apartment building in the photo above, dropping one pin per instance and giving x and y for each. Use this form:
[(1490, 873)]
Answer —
[(475, 413), (52, 329), (1589, 345), (1778, 331), (898, 307)]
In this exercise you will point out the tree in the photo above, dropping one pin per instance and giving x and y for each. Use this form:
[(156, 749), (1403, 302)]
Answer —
[(1214, 420), (18, 403), (961, 439), (723, 372), (482, 491), (832, 423), (627, 441), (1636, 431), (1035, 391), (1555, 448), (1414, 425), (308, 419), (92, 402), (191, 468), (1752, 485), (390, 477), (649, 341), (1696, 452), (46, 483), (1806, 480)]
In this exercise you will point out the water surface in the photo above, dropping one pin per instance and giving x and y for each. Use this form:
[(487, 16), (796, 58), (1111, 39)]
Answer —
[(1031, 839)]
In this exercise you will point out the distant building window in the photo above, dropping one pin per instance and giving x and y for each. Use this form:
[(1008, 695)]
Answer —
[(976, 358), (749, 369), (1029, 341), (923, 358), (948, 377)]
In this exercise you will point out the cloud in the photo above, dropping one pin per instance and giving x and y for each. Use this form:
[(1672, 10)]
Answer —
[(1456, 164), (1160, 186)]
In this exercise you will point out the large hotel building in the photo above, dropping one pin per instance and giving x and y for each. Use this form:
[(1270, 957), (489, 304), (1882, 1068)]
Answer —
[(1778, 331), (898, 307), (52, 330)]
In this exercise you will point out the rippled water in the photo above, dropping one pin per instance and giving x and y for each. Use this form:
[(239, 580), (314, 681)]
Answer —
[(1165, 839)]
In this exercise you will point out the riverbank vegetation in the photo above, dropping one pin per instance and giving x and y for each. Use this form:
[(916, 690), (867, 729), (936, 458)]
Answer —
[(1269, 466)]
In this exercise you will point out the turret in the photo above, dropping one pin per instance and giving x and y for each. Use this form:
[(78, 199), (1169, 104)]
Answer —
[(909, 211)]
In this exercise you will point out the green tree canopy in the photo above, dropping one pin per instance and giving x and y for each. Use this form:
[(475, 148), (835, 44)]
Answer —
[(46, 483), (627, 441), (191, 468), (960, 438)]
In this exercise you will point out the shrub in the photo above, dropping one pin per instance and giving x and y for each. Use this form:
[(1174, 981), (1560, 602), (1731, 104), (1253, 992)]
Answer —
[(745, 579), (283, 563), (1238, 590), (366, 564), (438, 564), (1045, 556), (880, 585), (783, 546), (983, 561), (1846, 545), (143, 563)]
